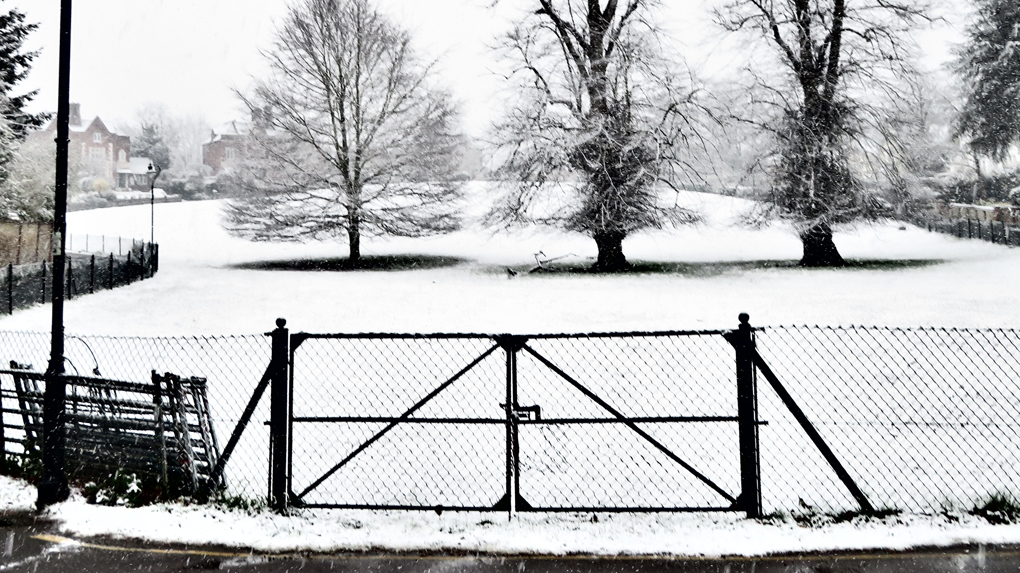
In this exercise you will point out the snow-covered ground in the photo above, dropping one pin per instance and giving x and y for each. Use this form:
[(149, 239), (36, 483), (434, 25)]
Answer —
[(623, 534), (199, 290)]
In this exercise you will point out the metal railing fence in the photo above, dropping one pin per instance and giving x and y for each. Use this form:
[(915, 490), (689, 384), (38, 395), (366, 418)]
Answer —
[(999, 232), (22, 286)]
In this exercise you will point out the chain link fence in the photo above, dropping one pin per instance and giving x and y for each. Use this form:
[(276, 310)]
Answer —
[(232, 366), (923, 420)]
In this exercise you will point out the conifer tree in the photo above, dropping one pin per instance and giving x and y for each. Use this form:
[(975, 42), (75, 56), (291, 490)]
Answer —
[(152, 144), (990, 64), (14, 67)]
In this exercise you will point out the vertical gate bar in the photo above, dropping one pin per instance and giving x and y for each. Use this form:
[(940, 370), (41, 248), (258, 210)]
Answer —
[(510, 354), (92, 275), (291, 348), (10, 288), (747, 407), (3, 441), (109, 278), (516, 432), (278, 422)]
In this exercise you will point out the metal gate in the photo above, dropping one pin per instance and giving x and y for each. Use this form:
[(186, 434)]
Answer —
[(636, 422)]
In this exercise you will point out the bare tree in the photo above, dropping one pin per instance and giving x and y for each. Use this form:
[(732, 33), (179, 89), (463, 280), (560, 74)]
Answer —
[(350, 135), (601, 121), (837, 58)]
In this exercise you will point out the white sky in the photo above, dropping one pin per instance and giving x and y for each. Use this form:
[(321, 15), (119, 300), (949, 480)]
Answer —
[(189, 54)]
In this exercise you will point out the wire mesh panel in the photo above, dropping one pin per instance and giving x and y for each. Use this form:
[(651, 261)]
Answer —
[(410, 422), (924, 419), (636, 422), (232, 365)]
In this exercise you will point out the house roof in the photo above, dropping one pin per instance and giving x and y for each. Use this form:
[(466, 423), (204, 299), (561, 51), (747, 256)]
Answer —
[(138, 166), (84, 127), (231, 128)]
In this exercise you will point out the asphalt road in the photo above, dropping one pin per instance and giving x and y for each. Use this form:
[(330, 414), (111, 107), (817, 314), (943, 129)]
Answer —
[(28, 546)]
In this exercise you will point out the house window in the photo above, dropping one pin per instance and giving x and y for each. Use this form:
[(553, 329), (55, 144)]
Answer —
[(97, 153), (122, 156), (229, 152), (97, 137)]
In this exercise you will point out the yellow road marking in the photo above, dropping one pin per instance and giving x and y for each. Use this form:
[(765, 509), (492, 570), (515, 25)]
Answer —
[(350, 556)]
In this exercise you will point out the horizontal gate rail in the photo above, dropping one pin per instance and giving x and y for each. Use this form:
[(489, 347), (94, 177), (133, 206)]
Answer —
[(297, 338), (502, 421)]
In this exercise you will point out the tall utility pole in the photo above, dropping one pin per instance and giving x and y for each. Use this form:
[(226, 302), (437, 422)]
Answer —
[(53, 487)]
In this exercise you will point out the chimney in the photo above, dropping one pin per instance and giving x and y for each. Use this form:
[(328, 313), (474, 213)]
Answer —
[(74, 117)]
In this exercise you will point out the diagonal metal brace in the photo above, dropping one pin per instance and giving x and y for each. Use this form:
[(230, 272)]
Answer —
[(605, 405), (809, 429), (221, 462)]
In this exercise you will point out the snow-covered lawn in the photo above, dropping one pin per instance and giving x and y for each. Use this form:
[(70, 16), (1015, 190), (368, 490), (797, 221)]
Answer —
[(198, 292)]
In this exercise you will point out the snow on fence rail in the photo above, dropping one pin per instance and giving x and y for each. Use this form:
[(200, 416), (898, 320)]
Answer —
[(922, 419)]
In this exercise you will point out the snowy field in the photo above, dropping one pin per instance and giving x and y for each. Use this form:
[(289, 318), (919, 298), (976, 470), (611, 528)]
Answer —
[(198, 292), (725, 269)]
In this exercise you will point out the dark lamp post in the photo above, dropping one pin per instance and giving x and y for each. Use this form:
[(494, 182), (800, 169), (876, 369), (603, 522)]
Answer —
[(152, 202), (52, 487)]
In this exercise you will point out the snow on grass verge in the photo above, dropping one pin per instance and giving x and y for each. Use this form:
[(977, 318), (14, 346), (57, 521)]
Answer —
[(529, 534), (15, 495)]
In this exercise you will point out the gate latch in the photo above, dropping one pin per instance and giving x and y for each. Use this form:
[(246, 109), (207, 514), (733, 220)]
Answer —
[(525, 412)]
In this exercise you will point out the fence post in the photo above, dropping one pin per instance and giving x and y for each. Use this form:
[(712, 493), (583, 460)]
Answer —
[(127, 269), (92, 275), (70, 278), (279, 413), (43, 291), (747, 414), (109, 278), (10, 288)]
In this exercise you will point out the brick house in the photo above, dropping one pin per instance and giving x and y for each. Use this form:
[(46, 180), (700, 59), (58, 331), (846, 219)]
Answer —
[(223, 150), (100, 152)]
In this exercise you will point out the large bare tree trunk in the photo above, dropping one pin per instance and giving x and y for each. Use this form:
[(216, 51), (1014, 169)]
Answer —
[(819, 250), (354, 240), (611, 258)]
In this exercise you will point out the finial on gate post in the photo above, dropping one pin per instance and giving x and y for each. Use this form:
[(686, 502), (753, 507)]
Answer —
[(282, 322), (743, 318)]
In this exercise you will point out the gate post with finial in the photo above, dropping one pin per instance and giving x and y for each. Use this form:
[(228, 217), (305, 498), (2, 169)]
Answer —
[(279, 413), (743, 342)]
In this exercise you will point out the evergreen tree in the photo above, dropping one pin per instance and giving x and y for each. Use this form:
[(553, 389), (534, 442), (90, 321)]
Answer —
[(990, 65), (152, 144), (14, 67)]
